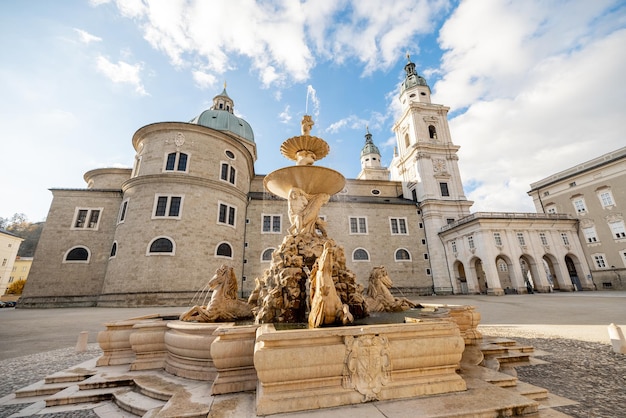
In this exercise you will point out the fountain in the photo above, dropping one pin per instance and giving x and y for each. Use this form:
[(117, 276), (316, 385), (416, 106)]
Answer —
[(303, 341)]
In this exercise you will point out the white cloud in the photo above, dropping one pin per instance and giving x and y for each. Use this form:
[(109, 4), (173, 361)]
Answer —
[(123, 73), (86, 37), (284, 116), (203, 80), (282, 39), (539, 88), (350, 122)]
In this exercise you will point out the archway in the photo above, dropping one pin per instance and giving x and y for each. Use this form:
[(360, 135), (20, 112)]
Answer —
[(548, 266), (529, 273), (481, 277), (571, 262), (461, 278), (503, 266)]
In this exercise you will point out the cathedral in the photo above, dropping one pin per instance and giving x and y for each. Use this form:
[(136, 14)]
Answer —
[(154, 234)]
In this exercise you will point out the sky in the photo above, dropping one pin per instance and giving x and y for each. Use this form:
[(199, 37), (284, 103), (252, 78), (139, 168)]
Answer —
[(533, 86)]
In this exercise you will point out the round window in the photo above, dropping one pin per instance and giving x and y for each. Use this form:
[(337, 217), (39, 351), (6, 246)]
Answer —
[(375, 192), (229, 154)]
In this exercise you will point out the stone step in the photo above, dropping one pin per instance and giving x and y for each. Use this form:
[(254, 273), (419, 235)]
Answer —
[(160, 386), (73, 395), (499, 341), (41, 388), (137, 404), (531, 391), (100, 382), (68, 377), (493, 377)]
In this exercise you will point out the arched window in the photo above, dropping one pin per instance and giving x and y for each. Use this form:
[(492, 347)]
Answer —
[(432, 132), (360, 255), (402, 255), (267, 254), (77, 255), (161, 246), (224, 250), (113, 250)]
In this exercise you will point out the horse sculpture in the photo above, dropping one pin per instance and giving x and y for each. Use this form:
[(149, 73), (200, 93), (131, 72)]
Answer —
[(378, 296), (224, 305), (326, 305)]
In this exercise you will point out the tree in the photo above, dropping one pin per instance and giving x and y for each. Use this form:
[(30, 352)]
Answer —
[(16, 288), (30, 232)]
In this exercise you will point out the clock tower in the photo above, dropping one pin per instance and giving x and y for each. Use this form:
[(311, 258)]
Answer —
[(426, 163)]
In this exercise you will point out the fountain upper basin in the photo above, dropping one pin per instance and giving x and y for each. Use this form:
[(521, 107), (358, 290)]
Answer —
[(309, 178)]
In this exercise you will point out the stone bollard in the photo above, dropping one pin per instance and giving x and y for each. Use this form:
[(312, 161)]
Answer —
[(617, 339), (81, 344)]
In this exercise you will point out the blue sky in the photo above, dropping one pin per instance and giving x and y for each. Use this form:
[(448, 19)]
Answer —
[(533, 86)]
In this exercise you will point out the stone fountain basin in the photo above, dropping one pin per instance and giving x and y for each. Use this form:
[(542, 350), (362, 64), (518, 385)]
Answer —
[(301, 369), (310, 178)]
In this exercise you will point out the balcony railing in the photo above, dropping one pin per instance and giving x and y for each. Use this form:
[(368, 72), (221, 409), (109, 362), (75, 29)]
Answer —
[(505, 215)]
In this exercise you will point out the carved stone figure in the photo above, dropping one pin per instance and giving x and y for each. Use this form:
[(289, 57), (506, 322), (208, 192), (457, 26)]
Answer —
[(326, 305), (379, 298), (224, 305), (304, 210)]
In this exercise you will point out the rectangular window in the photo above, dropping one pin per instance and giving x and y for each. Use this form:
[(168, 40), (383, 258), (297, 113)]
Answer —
[(271, 224), (497, 238), (521, 239), (86, 219), (224, 172), (398, 226), (542, 237), (606, 198), (358, 225), (171, 162), (623, 254), (182, 162), (470, 242), (123, 209), (444, 189), (590, 234), (564, 238), (449, 221), (618, 230), (453, 245), (579, 205), (226, 214), (167, 206), (599, 261), (551, 209)]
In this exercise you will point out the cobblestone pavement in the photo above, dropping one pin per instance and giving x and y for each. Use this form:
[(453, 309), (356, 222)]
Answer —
[(19, 372), (589, 373)]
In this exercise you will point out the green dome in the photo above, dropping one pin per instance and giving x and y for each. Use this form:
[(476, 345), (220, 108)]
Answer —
[(412, 79), (222, 120), (369, 147)]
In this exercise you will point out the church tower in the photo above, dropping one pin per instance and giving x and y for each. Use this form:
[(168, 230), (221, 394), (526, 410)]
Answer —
[(426, 163), (371, 168)]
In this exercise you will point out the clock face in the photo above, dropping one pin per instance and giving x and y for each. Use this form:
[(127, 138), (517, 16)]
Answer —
[(439, 165)]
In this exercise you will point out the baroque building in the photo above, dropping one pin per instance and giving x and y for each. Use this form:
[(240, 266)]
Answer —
[(154, 234), (594, 192)]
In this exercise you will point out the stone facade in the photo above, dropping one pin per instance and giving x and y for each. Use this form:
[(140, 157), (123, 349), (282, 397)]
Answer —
[(594, 193)]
